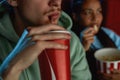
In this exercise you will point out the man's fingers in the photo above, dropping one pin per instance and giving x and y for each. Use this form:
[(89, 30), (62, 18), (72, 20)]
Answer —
[(43, 29), (49, 36), (50, 44)]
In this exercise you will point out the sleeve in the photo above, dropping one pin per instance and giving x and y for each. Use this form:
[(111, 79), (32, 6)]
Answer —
[(79, 65), (115, 38)]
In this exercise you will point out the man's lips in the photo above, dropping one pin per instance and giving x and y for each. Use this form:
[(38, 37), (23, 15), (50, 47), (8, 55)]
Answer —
[(54, 16)]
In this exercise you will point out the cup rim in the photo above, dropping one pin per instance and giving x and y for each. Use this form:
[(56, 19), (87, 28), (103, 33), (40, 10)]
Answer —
[(60, 31), (95, 54)]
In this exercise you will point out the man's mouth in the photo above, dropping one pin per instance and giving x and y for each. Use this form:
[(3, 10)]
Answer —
[(53, 16)]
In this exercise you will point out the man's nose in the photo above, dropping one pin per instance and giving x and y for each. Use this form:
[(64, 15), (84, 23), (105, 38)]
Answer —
[(56, 3)]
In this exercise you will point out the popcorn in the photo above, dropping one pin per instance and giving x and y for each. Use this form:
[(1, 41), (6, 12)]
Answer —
[(107, 59), (95, 28)]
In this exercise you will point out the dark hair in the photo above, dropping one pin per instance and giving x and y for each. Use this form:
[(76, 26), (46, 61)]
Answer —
[(77, 4)]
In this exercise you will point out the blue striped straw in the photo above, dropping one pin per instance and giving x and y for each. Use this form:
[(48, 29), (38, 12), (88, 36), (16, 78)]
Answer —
[(21, 43)]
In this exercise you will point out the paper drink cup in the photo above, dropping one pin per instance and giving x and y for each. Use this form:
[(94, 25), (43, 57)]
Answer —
[(108, 59), (55, 63)]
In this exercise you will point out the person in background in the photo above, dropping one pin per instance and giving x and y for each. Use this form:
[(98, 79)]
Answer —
[(37, 18), (87, 17)]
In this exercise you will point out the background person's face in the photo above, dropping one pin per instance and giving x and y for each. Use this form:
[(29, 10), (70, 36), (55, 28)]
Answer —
[(91, 13), (39, 12)]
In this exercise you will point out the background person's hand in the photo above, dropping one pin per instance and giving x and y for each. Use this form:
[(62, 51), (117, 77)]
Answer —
[(114, 75), (88, 38), (42, 40)]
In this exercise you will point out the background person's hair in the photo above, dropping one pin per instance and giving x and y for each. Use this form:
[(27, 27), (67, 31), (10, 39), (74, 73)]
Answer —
[(77, 4)]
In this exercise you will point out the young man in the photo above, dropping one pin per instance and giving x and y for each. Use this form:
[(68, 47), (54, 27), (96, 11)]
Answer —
[(38, 17)]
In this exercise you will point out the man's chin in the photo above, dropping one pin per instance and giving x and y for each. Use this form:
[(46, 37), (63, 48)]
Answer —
[(55, 22), (48, 22)]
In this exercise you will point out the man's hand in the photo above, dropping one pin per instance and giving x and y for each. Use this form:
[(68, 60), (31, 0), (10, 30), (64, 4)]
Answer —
[(42, 39)]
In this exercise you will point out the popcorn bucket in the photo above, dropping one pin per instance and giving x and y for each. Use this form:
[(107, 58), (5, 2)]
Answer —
[(55, 63), (108, 59)]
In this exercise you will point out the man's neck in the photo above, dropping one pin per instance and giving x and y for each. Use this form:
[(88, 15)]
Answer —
[(17, 23)]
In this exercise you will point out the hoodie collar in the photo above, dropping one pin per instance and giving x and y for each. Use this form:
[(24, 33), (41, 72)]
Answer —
[(65, 21), (7, 30)]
